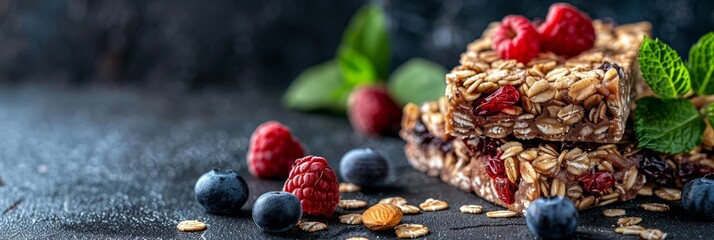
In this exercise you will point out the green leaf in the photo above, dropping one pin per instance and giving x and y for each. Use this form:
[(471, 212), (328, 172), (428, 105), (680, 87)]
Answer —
[(701, 64), (367, 33), (356, 68), (318, 88), (663, 69), (709, 113), (417, 81), (668, 125)]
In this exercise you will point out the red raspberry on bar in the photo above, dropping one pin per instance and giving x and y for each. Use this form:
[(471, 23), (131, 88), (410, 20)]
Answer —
[(516, 38)]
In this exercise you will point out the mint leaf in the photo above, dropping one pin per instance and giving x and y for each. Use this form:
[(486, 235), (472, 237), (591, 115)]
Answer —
[(668, 125), (701, 65), (417, 81), (318, 88), (367, 33), (709, 113), (663, 69), (356, 68)]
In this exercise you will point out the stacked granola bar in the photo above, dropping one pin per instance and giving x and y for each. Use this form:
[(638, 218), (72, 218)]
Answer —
[(565, 134)]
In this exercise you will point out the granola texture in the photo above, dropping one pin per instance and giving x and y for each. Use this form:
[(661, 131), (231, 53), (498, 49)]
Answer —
[(536, 168), (585, 98)]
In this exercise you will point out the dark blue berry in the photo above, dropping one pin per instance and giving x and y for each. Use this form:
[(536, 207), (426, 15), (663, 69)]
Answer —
[(221, 192), (552, 218), (698, 196), (364, 167), (277, 211)]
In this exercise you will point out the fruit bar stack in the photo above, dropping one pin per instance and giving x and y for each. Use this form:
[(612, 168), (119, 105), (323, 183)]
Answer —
[(583, 98), (513, 173)]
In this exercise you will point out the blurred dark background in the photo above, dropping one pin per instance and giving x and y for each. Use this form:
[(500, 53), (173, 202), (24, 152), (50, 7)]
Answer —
[(193, 45)]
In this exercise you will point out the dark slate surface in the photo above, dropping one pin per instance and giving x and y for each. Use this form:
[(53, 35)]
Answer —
[(101, 163)]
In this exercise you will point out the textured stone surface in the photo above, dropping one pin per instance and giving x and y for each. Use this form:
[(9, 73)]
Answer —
[(121, 163)]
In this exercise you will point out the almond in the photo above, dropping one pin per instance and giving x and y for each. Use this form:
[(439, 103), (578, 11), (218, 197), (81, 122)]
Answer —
[(381, 217)]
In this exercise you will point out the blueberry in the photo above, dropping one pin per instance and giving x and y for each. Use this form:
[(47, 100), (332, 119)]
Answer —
[(552, 218), (277, 211), (221, 192), (698, 196), (364, 167)]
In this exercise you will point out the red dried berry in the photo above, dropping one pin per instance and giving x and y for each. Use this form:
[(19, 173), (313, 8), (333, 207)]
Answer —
[(495, 167), (315, 184), (597, 182), (488, 146), (504, 189), (372, 111), (272, 151), (516, 38), (566, 30), (502, 98)]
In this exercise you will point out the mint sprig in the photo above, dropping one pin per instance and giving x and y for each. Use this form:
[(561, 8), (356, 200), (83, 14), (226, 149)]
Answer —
[(669, 123), (663, 69), (363, 58), (701, 64)]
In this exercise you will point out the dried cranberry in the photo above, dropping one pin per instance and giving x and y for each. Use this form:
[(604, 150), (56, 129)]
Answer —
[(656, 169), (504, 189), (502, 98), (423, 136), (597, 182), (494, 167), (488, 146)]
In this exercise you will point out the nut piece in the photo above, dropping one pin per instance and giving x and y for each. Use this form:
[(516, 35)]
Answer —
[(628, 221), (655, 207), (411, 230), (312, 226), (382, 216), (352, 204), (349, 187), (191, 226), (409, 209), (352, 218), (501, 214), (629, 230), (472, 209), (615, 212), (668, 194), (652, 234), (431, 205), (394, 201)]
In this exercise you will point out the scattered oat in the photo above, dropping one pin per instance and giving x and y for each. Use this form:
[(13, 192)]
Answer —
[(409, 209), (357, 238), (472, 209), (191, 226), (645, 191), (655, 207), (629, 230), (652, 234), (349, 187), (394, 201), (431, 205), (411, 230), (628, 221), (352, 204), (381, 217), (312, 226), (352, 218), (614, 212), (669, 194), (501, 214)]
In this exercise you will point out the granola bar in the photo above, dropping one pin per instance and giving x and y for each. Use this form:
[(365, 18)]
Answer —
[(585, 98), (537, 168)]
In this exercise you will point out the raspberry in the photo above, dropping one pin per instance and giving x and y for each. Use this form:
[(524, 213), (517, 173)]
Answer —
[(597, 182), (315, 184), (516, 38), (373, 112), (502, 98), (272, 151), (566, 30)]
